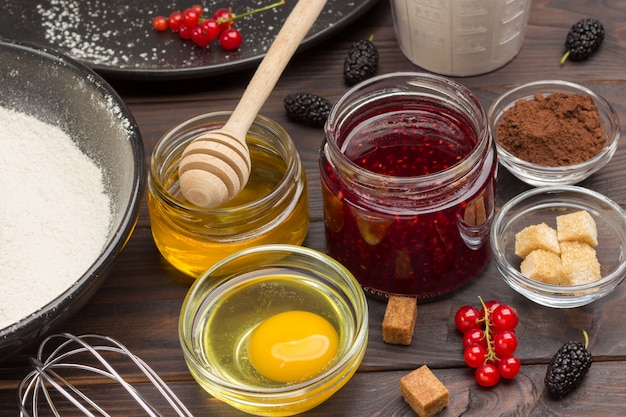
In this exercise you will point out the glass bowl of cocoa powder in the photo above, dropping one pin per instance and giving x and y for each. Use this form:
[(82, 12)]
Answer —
[(553, 132)]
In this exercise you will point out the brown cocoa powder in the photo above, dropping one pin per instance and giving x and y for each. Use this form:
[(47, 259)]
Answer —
[(554, 130)]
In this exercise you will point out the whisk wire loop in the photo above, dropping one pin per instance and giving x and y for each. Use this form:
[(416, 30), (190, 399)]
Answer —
[(51, 377), (36, 386)]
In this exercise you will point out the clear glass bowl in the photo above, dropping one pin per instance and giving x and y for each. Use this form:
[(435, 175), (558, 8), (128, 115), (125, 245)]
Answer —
[(224, 307), (543, 204), (541, 175)]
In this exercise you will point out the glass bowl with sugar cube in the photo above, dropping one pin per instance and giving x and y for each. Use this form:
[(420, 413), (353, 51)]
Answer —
[(560, 246)]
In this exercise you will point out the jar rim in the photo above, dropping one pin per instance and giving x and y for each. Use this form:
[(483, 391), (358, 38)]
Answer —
[(456, 95), (168, 144)]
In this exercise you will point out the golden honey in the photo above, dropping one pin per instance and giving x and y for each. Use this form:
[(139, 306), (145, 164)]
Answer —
[(272, 207)]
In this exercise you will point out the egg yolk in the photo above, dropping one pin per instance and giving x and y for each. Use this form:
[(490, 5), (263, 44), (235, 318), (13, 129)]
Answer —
[(293, 346)]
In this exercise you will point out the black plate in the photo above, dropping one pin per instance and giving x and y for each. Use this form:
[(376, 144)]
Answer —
[(115, 37)]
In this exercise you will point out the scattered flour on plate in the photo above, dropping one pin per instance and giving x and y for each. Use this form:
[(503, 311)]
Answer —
[(54, 214)]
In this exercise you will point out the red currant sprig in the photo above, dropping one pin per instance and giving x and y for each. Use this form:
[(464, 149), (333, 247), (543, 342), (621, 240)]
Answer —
[(489, 340), (190, 24)]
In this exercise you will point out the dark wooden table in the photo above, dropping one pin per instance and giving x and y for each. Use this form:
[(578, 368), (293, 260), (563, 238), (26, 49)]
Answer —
[(140, 301)]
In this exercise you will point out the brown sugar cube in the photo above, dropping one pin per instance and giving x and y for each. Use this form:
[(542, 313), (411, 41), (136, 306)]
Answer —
[(536, 236), (544, 266), (424, 392), (580, 263), (399, 320), (577, 227)]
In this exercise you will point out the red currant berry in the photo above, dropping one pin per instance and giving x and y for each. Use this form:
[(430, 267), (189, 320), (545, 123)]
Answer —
[(190, 17), (509, 366), (222, 17), (487, 375), (199, 36), (466, 318), (175, 19), (211, 28), (505, 343), (491, 306), (184, 31), (474, 337), (160, 23), (198, 9), (504, 318), (474, 356), (230, 39)]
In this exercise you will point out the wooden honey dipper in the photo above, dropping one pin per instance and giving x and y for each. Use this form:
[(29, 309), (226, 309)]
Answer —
[(215, 166)]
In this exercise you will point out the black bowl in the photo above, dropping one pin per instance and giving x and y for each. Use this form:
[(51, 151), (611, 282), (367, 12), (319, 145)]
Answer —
[(57, 90)]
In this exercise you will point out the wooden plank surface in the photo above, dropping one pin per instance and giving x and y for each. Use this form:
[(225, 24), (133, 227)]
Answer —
[(140, 301)]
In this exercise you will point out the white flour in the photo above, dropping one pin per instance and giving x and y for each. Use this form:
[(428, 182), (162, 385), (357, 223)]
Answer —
[(54, 214)]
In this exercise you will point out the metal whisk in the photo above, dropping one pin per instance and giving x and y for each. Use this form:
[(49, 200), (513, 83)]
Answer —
[(47, 384)]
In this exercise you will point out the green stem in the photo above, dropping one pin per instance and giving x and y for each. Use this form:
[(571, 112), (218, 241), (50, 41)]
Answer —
[(564, 58), (491, 353), (249, 12)]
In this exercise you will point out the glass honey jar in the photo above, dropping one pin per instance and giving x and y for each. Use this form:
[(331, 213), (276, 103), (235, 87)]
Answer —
[(408, 172), (271, 209)]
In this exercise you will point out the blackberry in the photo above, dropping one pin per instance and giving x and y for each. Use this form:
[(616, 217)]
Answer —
[(308, 108), (567, 368), (361, 62), (583, 39)]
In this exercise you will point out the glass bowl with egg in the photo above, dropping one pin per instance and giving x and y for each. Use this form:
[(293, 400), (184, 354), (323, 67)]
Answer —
[(274, 329), (544, 139), (560, 246)]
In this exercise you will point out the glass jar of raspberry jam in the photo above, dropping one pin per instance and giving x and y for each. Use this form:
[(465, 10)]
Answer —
[(408, 173)]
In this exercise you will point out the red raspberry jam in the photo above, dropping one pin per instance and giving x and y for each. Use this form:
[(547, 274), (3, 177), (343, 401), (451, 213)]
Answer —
[(409, 193)]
